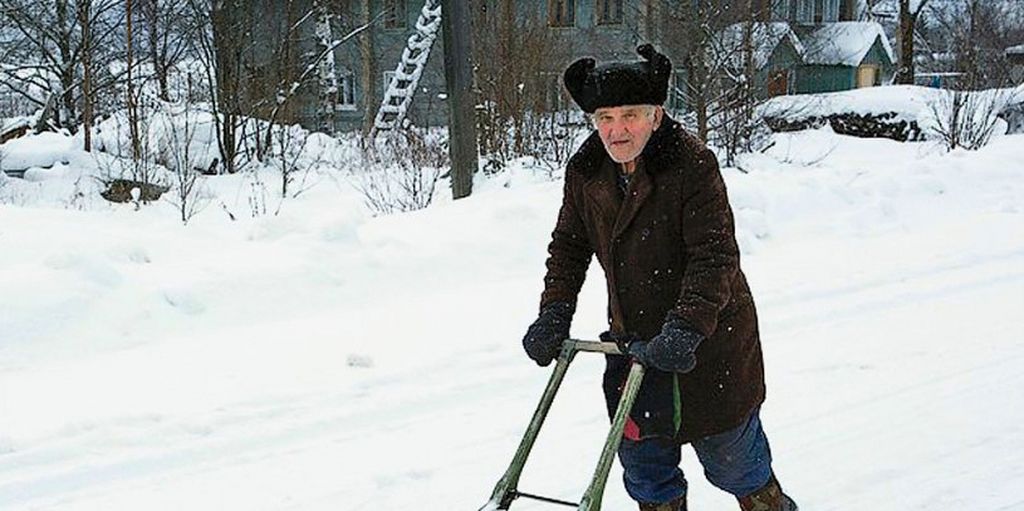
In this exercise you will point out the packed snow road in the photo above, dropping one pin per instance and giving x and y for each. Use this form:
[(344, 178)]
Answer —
[(325, 360)]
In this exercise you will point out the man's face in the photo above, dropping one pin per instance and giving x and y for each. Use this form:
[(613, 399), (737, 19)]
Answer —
[(625, 130)]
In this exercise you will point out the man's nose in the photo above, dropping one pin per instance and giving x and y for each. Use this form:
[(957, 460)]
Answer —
[(619, 127)]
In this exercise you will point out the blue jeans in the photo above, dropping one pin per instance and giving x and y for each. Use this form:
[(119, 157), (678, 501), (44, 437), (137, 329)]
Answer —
[(737, 461)]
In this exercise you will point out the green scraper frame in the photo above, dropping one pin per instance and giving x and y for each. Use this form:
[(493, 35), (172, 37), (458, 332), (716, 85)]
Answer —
[(506, 490)]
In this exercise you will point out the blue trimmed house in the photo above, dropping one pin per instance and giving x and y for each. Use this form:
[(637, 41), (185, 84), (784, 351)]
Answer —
[(806, 46)]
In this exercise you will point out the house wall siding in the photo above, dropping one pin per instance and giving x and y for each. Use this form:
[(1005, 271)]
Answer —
[(878, 56), (814, 79)]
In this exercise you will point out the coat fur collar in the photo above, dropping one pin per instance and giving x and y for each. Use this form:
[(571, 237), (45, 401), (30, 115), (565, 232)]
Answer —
[(668, 146)]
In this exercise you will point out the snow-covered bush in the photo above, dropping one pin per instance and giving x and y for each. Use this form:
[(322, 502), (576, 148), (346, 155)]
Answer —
[(401, 172), (178, 153), (296, 154), (966, 119)]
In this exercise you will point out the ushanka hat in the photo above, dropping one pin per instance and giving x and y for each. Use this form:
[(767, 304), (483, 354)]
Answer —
[(641, 82)]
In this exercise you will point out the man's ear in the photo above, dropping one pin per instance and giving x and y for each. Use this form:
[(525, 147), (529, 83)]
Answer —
[(659, 113)]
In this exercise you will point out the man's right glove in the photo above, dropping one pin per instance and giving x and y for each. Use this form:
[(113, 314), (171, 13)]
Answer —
[(672, 350), (544, 338)]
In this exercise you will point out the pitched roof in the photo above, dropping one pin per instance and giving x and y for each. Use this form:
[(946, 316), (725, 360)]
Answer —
[(845, 43), (765, 36)]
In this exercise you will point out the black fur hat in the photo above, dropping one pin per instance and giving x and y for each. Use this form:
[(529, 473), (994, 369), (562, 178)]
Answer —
[(641, 82)]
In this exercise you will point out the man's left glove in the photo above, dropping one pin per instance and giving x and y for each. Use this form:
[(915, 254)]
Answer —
[(544, 338), (672, 350)]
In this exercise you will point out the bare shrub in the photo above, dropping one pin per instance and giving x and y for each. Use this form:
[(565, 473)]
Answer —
[(402, 172), (179, 130), (135, 154), (966, 118), (257, 198), (296, 154), (523, 109)]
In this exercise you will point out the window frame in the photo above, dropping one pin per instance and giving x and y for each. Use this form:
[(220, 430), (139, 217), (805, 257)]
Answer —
[(805, 11), (604, 15), (562, 13), (346, 91), (396, 14)]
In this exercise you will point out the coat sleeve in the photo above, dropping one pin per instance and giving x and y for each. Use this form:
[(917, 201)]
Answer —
[(710, 239), (569, 252)]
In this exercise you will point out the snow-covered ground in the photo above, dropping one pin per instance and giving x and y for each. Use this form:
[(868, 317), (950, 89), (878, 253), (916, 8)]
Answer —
[(327, 359)]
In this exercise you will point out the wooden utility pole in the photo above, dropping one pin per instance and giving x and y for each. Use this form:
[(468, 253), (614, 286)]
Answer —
[(368, 77), (458, 74)]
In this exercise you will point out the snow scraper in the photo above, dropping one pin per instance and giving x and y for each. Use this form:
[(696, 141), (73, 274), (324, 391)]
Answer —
[(507, 488)]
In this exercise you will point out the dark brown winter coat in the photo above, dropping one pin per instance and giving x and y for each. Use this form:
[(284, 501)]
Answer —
[(667, 243)]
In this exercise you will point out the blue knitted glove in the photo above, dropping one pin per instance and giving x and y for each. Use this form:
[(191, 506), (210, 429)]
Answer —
[(672, 350), (544, 338)]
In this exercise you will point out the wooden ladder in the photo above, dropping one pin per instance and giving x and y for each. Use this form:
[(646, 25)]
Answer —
[(402, 86)]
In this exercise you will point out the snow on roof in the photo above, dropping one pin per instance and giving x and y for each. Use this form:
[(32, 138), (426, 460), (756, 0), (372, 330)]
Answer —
[(845, 43), (12, 123), (766, 37), (1015, 50)]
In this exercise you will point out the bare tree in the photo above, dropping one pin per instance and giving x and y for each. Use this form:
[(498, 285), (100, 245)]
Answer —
[(220, 37), (47, 62), (131, 101), (84, 15), (976, 34), (168, 30), (696, 31), (910, 11), (289, 82), (241, 86), (520, 97)]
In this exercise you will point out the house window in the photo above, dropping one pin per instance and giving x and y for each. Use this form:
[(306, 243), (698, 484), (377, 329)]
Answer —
[(805, 11), (395, 14), (609, 12), (346, 91), (677, 94), (562, 13), (831, 10)]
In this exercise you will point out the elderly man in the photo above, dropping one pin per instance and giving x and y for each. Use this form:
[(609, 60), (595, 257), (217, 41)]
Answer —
[(647, 197)]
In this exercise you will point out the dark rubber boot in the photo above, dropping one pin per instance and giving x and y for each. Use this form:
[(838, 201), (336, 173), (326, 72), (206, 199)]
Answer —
[(676, 505), (768, 498)]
